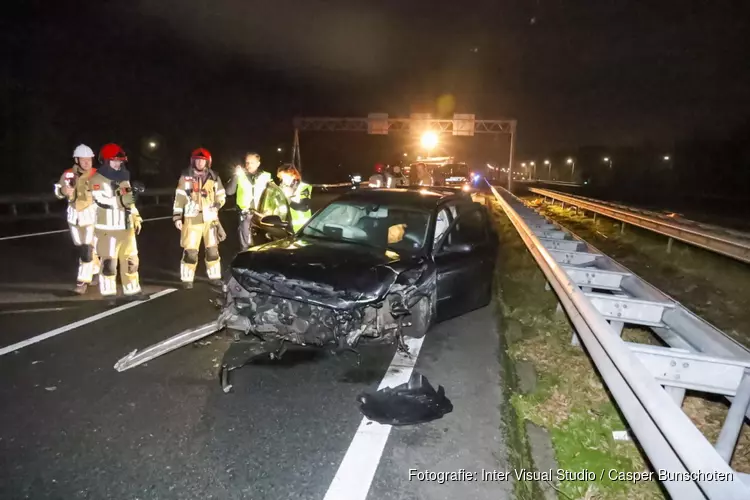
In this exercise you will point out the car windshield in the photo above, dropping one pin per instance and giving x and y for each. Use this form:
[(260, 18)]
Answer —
[(402, 229)]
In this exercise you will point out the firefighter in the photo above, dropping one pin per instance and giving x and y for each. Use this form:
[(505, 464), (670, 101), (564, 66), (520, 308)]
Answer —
[(74, 186), (249, 182), (198, 198), (117, 224), (298, 194)]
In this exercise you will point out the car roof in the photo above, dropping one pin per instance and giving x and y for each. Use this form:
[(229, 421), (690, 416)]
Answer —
[(426, 198)]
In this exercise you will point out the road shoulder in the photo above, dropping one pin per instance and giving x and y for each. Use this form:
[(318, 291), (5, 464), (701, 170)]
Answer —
[(462, 355)]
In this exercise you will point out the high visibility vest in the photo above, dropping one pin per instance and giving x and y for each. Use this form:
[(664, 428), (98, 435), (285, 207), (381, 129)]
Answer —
[(299, 217), (249, 193)]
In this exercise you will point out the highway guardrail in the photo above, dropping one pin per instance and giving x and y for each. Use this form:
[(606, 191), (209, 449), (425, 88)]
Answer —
[(648, 383), (725, 241)]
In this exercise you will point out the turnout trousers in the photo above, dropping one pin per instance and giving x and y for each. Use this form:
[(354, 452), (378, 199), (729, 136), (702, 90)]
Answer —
[(84, 238), (118, 246), (192, 235)]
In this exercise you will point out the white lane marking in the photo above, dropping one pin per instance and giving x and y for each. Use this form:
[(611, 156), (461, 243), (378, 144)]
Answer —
[(58, 231), (356, 472), (86, 321), (37, 310)]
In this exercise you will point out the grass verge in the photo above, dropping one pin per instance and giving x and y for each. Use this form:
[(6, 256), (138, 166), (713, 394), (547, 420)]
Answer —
[(568, 399)]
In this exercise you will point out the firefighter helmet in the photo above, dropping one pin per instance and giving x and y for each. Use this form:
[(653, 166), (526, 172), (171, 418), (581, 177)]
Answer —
[(202, 154), (112, 152), (83, 151)]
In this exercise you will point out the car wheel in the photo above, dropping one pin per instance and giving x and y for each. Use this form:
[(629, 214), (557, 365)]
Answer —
[(421, 316)]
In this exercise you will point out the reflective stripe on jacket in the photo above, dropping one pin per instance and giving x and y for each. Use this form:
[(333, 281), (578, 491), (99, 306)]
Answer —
[(198, 198), (81, 210), (111, 212)]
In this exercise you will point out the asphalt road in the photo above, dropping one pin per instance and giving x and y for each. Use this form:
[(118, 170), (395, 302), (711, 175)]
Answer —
[(71, 427)]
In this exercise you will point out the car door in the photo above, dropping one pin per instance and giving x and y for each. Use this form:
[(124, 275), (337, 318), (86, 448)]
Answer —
[(464, 259)]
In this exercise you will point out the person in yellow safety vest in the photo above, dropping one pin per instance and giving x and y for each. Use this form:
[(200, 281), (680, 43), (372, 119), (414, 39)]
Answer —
[(198, 198), (117, 223), (298, 194), (74, 186), (249, 182)]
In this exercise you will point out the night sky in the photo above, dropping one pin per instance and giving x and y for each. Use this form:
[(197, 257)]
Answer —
[(230, 75)]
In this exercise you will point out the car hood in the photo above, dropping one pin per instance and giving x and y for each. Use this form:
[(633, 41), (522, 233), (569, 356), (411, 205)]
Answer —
[(333, 274)]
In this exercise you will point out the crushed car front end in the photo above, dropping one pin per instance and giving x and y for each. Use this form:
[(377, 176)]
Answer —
[(271, 306)]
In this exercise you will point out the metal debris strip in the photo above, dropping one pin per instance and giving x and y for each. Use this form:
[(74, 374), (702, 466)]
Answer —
[(136, 358), (648, 383)]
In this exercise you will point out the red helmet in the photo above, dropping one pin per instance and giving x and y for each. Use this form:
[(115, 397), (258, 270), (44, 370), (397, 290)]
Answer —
[(202, 154), (112, 152)]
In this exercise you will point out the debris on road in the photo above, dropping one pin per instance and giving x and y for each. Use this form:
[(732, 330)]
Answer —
[(136, 358), (414, 402)]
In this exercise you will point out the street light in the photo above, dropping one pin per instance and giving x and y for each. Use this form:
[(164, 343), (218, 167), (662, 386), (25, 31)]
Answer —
[(607, 159), (152, 145), (666, 157), (405, 155), (549, 169), (571, 161), (278, 149), (429, 140)]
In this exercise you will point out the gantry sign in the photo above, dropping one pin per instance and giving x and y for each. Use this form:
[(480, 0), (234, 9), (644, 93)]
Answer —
[(380, 124)]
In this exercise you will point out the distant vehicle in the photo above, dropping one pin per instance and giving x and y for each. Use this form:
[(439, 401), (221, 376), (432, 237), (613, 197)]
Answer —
[(453, 174)]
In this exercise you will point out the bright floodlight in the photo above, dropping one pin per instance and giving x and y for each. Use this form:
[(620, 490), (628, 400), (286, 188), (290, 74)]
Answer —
[(278, 149), (429, 140), (546, 162), (569, 161), (523, 165), (606, 158), (532, 164), (152, 145), (666, 158)]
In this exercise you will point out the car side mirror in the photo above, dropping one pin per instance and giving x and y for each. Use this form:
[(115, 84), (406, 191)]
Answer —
[(273, 221)]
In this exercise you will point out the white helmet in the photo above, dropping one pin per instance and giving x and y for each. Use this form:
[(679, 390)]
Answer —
[(83, 151)]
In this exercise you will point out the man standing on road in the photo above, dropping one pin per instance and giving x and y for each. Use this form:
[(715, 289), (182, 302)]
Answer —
[(198, 198), (298, 194), (249, 182), (74, 186), (117, 223)]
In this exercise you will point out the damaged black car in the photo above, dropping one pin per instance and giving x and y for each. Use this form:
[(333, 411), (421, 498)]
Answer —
[(372, 266)]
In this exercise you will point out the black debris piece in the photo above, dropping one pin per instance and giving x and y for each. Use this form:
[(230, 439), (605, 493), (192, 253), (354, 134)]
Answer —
[(415, 402)]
